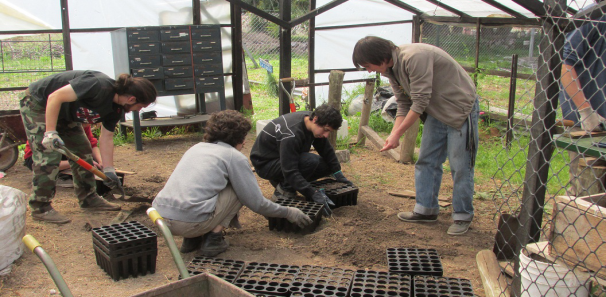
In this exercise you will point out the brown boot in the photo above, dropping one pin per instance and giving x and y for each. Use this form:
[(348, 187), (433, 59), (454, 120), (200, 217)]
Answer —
[(51, 216), (94, 202)]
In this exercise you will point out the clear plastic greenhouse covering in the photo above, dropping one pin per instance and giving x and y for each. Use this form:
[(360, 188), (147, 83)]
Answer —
[(94, 50)]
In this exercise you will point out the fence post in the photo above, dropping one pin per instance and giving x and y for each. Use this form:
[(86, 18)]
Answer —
[(335, 88), (368, 92)]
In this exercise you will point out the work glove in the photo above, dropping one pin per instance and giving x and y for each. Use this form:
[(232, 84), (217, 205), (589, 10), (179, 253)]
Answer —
[(591, 121), (296, 216), (341, 178), (320, 197), (113, 180), (52, 141)]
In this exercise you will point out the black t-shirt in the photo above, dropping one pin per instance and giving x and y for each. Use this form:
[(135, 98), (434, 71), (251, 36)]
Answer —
[(95, 91)]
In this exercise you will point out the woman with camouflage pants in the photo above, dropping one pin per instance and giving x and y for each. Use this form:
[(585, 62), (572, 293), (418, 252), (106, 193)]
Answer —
[(53, 110)]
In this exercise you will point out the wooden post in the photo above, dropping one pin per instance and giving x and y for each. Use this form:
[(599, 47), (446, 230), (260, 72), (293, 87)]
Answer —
[(493, 280), (335, 88), (368, 92), (407, 148)]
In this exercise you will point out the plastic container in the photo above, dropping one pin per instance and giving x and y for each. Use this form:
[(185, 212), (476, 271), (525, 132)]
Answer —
[(12, 226), (547, 279)]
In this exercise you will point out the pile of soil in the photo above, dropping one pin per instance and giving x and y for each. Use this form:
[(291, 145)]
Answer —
[(356, 237)]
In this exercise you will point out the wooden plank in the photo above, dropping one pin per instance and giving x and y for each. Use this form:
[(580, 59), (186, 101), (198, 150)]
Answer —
[(121, 216), (378, 141), (507, 268), (403, 193), (407, 148), (492, 278), (444, 204)]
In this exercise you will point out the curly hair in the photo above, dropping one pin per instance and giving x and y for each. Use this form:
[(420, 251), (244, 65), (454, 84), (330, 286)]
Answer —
[(143, 89), (372, 50), (228, 126), (327, 115)]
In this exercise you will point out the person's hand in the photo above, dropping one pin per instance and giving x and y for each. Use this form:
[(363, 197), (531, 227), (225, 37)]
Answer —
[(391, 142), (341, 178), (97, 165), (591, 121), (52, 141), (113, 180), (320, 197), (296, 216)]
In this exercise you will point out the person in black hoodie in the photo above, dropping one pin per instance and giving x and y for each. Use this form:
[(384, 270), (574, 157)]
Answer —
[(281, 153)]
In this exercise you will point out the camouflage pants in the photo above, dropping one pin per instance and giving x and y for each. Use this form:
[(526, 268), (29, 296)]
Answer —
[(46, 162)]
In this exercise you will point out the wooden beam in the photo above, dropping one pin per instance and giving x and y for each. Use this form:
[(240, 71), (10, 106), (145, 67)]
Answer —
[(285, 57), (335, 88), (365, 117), (378, 141), (505, 9), (492, 278), (405, 6), (315, 12), (534, 6), (449, 8), (407, 147), (533, 22), (261, 13)]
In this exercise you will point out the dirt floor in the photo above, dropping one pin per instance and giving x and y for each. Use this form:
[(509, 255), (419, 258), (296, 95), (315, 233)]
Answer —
[(356, 237)]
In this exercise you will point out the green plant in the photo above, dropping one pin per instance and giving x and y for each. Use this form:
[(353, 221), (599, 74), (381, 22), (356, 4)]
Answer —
[(152, 133), (178, 130), (121, 139)]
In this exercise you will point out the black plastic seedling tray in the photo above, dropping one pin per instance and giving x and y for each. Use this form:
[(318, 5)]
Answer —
[(341, 194), (322, 281), (312, 209), (267, 278), (228, 270), (427, 286), (124, 236), (131, 264), (369, 283), (414, 261)]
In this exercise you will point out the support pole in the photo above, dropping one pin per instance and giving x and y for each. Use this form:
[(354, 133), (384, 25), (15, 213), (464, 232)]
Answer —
[(335, 88), (364, 119), (285, 57)]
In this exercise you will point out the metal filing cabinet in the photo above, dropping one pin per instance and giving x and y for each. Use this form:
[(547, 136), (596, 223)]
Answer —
[(176, 59)]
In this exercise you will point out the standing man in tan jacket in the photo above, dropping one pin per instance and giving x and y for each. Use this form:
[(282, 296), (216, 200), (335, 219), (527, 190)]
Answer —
[(429, 84)]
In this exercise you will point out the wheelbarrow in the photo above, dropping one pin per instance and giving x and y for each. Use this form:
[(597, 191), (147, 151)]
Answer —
[(12, 134)]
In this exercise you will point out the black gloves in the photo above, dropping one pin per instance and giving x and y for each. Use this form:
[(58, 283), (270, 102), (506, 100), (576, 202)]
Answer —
[(296, 216), (320, 197), (341, 178), (113, 180)]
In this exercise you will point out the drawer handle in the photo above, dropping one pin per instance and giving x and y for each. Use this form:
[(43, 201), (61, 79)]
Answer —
[(201, 35), (181, 73), (206, 47), (209, 84), (144, 37), (146, 63), (175, 37), (144, 51), (179, 86), (209, 71), (176, 49), (206, 60), (178, 61), (146, 76)]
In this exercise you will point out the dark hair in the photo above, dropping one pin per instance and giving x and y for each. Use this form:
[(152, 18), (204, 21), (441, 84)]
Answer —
[(327, 115), (143, 89), (372, 50), (228, 126)]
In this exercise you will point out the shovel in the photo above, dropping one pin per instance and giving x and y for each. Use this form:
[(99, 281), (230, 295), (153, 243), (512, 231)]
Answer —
[(62, 149)]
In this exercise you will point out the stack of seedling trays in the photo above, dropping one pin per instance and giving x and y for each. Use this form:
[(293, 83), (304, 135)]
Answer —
[(228, 270), (341, 194), (429, 286), (266, 279), (312, 209), (368, 283), (126, 249), (321, 281), (414, 261)]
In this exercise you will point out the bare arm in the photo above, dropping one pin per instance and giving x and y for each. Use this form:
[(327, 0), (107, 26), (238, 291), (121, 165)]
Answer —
[(399, 128), (53, 105), (97, 157), (573, 87), (106, 147)]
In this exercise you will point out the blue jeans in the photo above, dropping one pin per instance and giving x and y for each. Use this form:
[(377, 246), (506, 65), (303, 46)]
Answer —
[(438, 142)]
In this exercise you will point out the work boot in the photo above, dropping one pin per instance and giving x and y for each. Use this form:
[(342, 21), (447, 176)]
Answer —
[(414, 217), (190, 244), (94, 202), (51, 216), (214, 244), (280, 192), (458, 228)]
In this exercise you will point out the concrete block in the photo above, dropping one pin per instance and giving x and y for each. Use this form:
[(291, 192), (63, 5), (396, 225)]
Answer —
[(261, 124), (343, 155)]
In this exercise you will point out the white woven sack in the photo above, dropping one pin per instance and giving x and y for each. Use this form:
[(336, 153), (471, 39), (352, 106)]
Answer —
[(13, 204)]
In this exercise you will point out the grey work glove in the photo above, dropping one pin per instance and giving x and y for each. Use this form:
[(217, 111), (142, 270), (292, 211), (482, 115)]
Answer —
[(296, 216), (320, 197), (113, 180), (591, 121), (341, 178), (52, 141)]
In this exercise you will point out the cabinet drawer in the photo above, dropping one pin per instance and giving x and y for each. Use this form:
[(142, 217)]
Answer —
[(144, 48), (201, 32), (172, 84), (149, 73), (183, 71), (158, 83), (207, 58), (206, 45), (176, 47), (145, 61), (142, 34), (174, 34), (208, 69), (208, 83), (176, 60)]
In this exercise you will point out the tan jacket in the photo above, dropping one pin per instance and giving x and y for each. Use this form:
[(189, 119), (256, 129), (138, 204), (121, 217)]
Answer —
[(427, 79)]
